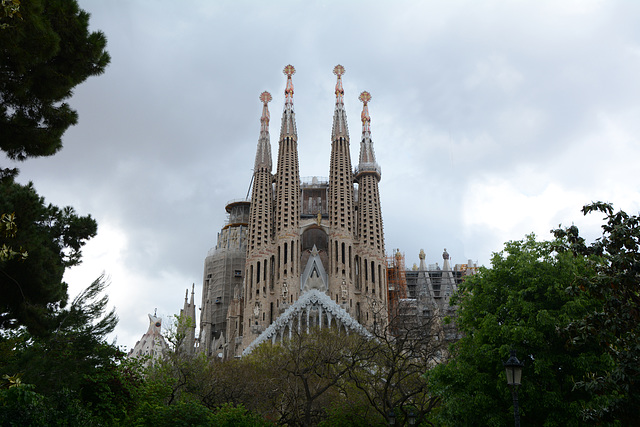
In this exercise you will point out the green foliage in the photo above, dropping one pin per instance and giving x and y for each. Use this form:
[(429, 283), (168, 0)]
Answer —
[(228, 415), (352, 412), (389, 371), (21, 406), (53, 238), (186, 389), (187, 414), (8, 231), (302, 373), (521, 302), (9, 10), (44, 54), (614, 324), (72, 368)]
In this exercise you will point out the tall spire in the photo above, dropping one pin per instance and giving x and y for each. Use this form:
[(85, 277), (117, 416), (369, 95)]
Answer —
[(340, 128), (340, 174), (370, 232), (263, 154), (367, 161), (288, 127)]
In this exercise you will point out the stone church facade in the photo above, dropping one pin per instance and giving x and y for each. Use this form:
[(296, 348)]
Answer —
[(299, 253)]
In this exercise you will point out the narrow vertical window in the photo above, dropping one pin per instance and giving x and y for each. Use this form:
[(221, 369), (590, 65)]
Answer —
[(373, 272), (258, 272)]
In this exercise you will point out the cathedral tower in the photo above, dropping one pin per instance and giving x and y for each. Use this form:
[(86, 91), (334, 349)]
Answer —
[(260, 259), (341, 206), (273, 267), (371, 261)]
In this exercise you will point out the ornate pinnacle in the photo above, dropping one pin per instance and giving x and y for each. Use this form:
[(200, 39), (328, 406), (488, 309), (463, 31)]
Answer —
[(288, 91), (289, 70), (288, 127), (367, 156), (365, 97), (338, 70), (265, 97)]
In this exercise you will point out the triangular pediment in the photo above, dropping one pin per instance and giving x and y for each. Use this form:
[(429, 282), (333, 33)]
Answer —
[(326, 311)]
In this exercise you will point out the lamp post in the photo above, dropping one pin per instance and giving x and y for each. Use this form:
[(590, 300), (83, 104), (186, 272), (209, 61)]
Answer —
[(412, 418), (392, 418), (513, 368)]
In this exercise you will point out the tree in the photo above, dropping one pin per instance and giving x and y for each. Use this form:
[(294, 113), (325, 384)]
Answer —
[(328, 376), (521, 302), (44, 53), (72, 368), (301, 373), (614, 324), (32, 287), (391, 366), (8, 231), (236, 416), (9, 10)]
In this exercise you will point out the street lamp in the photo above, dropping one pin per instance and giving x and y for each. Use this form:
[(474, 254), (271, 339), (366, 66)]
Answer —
[(412, 418), (513, 368), (392, 418)]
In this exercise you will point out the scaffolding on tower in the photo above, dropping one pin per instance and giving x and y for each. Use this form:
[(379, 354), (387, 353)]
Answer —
[(397, 281)]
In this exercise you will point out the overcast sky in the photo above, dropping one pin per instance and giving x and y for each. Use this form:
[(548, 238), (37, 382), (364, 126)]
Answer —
[(490, 120)]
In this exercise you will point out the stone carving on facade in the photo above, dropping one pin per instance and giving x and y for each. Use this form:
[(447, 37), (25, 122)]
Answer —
[(314, 275), (326, 314)]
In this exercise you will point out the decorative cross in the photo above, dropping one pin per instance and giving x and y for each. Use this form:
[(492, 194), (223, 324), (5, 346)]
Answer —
[(338, 70)]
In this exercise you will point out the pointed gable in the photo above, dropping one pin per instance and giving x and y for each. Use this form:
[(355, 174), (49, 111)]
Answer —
[(314, 275), (313, 308)]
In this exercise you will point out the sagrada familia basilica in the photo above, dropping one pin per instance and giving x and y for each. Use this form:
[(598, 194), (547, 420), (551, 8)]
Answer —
[(308, 253)]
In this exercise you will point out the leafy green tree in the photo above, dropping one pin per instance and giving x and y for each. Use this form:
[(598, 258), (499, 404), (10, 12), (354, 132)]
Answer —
[(77, 373), (44, 53), (386, 372), (184, 413), (53, 237), (301, 374), (9, 10), (20, 405), (236, 416), (522, 302), (614, 324), (8, 231)]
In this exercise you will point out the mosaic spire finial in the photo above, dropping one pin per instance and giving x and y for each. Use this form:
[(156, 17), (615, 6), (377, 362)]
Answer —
[(365, 97), (338, 70), (265, 97), (340, 128), (367, 155), (263, 154), (288, 128), (289, 71)]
